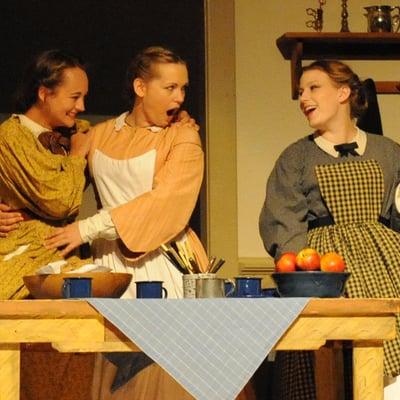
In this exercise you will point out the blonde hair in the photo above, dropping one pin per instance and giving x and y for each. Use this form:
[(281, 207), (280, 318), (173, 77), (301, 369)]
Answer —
[(141, 66)]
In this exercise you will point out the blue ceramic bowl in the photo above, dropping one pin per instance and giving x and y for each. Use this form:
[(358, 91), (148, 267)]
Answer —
[(310, 283)]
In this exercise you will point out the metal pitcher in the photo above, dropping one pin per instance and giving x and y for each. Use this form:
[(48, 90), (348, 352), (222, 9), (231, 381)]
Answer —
[(380, 18)]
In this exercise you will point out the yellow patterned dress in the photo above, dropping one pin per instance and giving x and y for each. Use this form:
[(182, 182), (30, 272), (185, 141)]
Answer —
[(48, 187)]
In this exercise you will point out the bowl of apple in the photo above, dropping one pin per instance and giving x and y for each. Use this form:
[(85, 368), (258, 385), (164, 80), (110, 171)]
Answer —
[(308, 274)]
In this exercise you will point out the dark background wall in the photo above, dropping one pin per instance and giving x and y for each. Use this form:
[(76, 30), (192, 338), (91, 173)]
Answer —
[(106, 34)]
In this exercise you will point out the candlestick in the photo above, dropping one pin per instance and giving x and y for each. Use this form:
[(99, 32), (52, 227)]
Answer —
[(345, 15), (317, 13)]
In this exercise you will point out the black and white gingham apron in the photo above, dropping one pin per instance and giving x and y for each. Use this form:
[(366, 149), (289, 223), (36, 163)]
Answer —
[(353, 193)]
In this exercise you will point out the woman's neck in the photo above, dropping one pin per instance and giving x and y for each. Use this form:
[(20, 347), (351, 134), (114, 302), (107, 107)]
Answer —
[(343, 133), (136, 118), (36, 115)]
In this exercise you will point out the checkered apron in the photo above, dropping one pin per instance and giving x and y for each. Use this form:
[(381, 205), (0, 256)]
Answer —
[(353, 192)]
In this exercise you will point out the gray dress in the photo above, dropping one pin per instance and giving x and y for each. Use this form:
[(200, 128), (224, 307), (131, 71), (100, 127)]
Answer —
[(293, 196), (308, 184)]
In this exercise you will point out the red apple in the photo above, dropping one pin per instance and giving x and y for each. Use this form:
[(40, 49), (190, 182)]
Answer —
[(286, 263), (332, 262), (308, 259)]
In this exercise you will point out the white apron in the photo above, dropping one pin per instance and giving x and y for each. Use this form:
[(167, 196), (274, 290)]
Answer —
[(118, 182)]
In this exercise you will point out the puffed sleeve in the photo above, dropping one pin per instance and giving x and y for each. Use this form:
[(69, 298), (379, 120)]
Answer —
[(48, 184), (283, 219), (157, 216)]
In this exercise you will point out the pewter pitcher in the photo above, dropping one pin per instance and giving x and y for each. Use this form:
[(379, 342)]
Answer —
[(380, 18)]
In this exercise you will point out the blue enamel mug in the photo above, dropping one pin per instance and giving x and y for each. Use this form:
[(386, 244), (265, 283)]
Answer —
[(248, 286), (77, 287), (151, 290)]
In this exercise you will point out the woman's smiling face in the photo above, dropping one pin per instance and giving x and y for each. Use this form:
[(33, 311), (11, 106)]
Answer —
[(62, 104), (163, 94), (320, 98)]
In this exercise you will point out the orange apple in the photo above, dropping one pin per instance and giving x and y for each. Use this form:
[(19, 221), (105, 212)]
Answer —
[(332, 262), (286, 262), (308, 259)]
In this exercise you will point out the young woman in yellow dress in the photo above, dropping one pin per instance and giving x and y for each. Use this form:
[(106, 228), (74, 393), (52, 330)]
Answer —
[(41, 169), (42, 163)]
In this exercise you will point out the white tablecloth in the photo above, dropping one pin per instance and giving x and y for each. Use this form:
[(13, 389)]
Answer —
[(212, 347)]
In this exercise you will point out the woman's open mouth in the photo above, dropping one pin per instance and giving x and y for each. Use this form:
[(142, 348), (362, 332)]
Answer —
[(173, 112), (308, 110)]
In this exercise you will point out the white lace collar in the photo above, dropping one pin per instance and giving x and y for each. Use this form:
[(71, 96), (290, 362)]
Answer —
[(328, 147), (120, 122)]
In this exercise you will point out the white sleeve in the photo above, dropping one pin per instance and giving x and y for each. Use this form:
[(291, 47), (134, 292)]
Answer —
[(100, 226), (397, 198)]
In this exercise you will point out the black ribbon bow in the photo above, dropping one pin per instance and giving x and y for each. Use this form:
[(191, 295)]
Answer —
[(345, 149)]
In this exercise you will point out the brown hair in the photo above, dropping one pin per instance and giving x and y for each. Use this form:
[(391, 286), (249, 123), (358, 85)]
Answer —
[(342, 74), (46, 69), (141, 66)]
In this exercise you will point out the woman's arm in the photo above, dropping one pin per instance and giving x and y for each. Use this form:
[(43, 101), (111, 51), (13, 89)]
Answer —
[(283, 219), (158, 216), (71, 236)]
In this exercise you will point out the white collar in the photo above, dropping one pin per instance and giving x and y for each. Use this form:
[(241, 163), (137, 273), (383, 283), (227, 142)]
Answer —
[(328, 147), (28, 123), (120, 122)]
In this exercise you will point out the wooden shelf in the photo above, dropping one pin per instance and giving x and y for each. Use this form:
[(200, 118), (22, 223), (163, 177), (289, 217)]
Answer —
[(295, 46)]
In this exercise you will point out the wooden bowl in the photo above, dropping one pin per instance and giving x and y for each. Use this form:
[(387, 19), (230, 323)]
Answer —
[(104, 284)]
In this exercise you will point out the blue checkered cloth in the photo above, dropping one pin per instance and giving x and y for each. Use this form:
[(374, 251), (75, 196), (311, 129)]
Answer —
[(212, 347)]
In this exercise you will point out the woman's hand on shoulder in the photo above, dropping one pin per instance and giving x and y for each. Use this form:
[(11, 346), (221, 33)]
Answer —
[(184, 118), (9, 219), (80, 143)]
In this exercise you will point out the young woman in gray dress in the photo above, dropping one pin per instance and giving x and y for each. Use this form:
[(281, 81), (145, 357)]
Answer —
[(334, 191)]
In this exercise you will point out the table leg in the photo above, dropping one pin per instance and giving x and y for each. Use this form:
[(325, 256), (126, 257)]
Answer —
[(9, 371), (368, 370), (329, 372)]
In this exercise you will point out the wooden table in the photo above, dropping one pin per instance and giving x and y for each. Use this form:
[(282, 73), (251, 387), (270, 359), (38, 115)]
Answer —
[(75, 326)]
